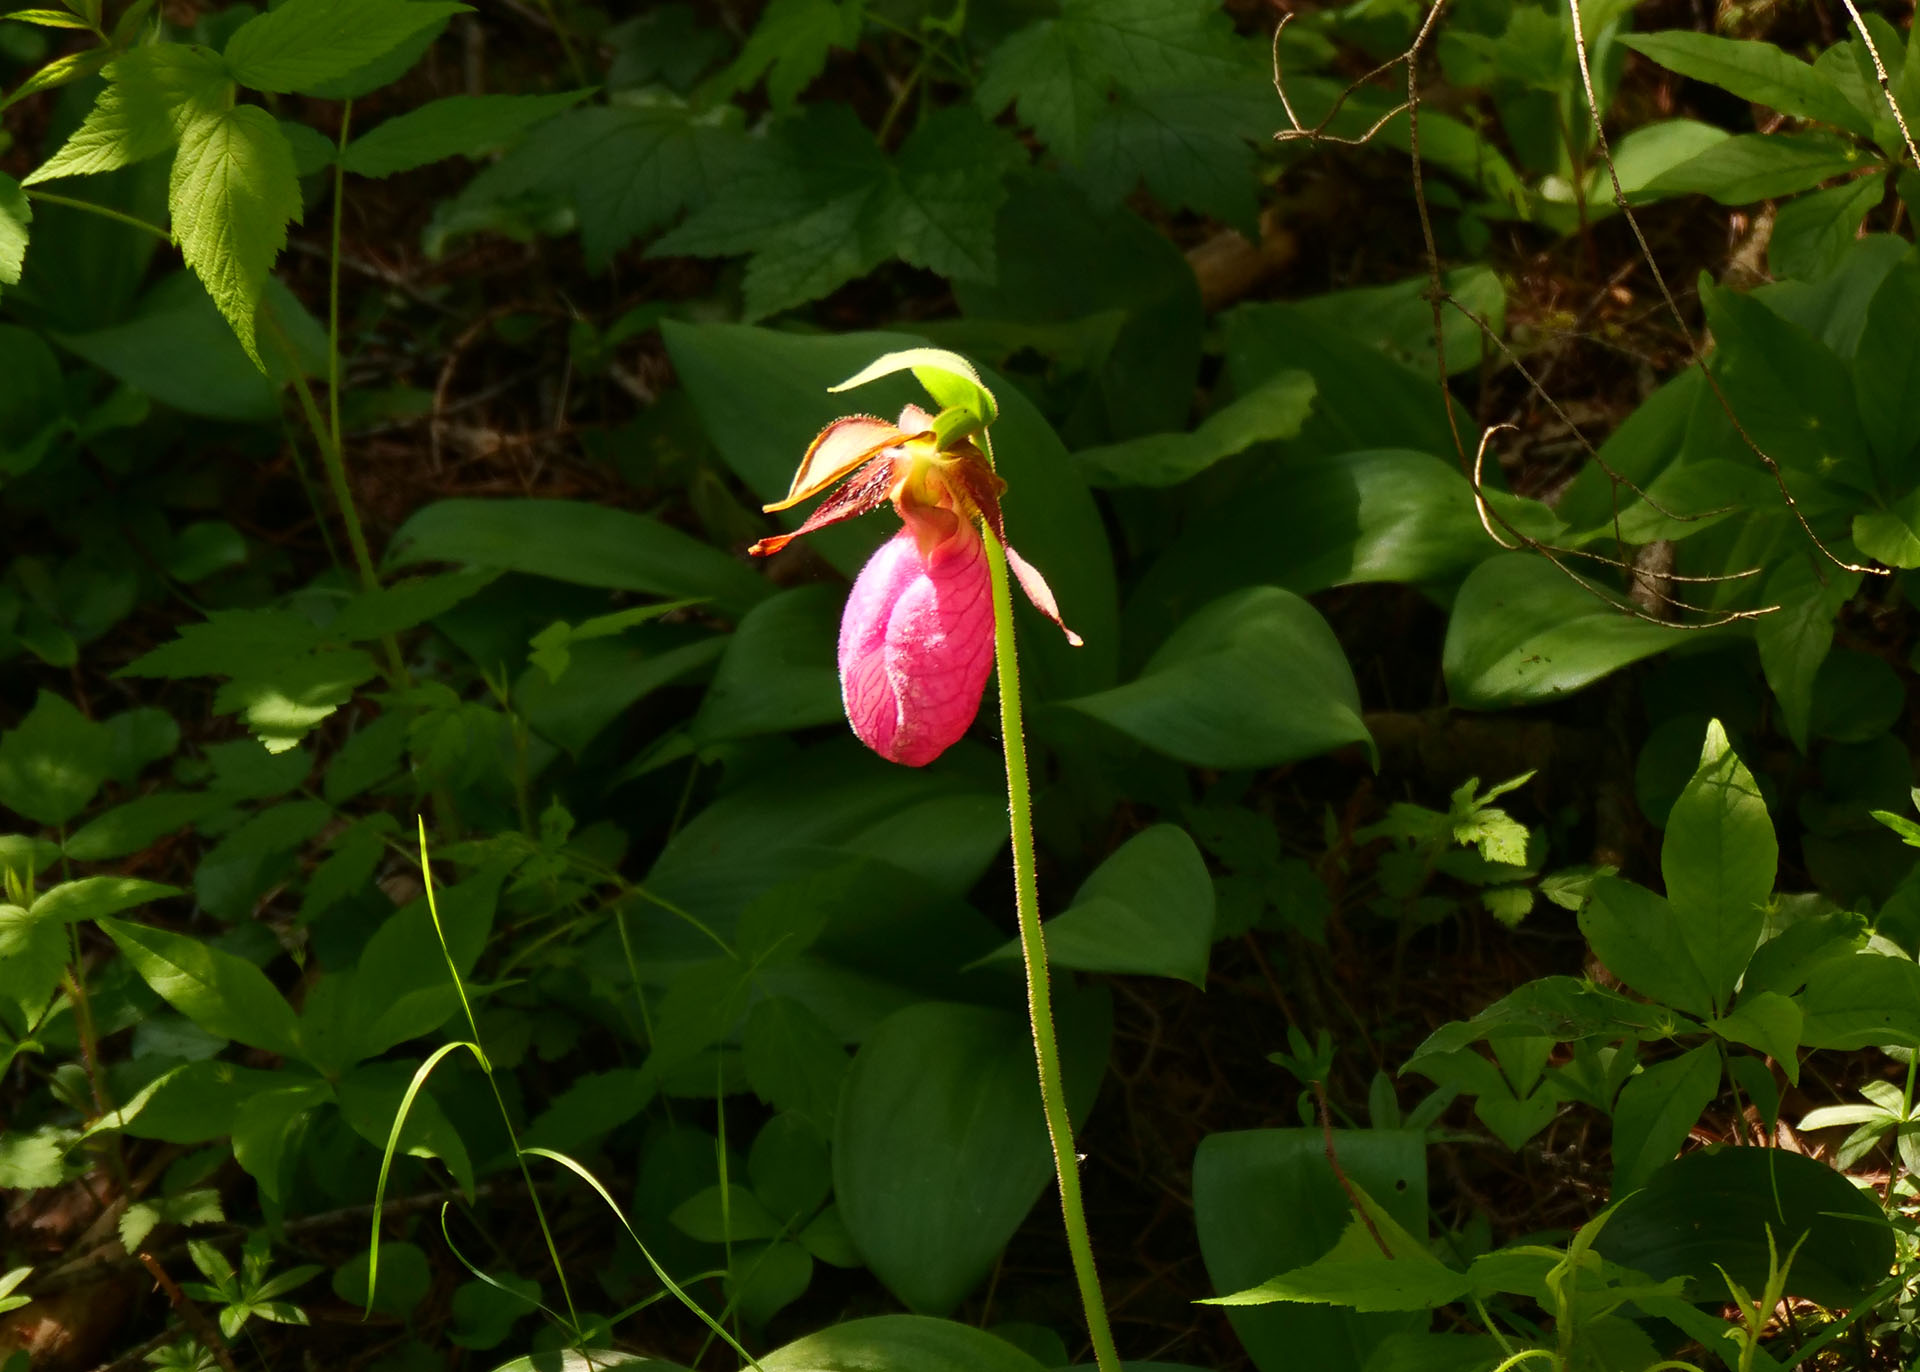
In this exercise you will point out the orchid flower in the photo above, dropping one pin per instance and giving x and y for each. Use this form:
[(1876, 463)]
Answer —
[(916, 638)]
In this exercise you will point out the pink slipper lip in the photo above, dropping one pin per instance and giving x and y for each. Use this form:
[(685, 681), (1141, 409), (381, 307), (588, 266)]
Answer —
[(916, 645)]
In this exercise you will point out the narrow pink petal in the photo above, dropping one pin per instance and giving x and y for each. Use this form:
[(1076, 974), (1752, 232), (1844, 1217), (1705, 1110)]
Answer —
[(1038, 592), (916, 645)]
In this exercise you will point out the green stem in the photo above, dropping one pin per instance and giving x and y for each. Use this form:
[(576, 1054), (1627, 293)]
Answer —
[(333, 276), (1033, 948), (104, 211)]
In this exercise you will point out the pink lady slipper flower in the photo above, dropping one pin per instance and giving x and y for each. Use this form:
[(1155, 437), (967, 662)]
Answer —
[(916, 637)]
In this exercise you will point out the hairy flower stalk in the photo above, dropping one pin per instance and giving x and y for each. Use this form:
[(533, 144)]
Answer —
[(927, 617)]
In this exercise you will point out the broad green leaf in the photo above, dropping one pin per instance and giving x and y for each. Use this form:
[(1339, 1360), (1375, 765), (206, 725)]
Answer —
[(1639, 158), (789, 1167), (777, 671), (1275, 410), (1769, 1023), (627, 170), (152, 93), (1112, 280), (249, 858), (1266, 1201), (1710, 1211), (1794, 640), (1754, 71), (303, 44), (224, 995), (92, 897), (370, 1098), (401, 987), (1886, 381), (53, 761), (1060, 73), (178, 349), (577, 542), (730, 1215), (1255, 679), (1891, 535), (594, 1106), (1657, 1109), (233, 192), (1636, 936), (552, 648), (16, 215), (33, 959), (1521, 632), (1148, 909), (903, 1342), (590, 1360), (606, 677), (1860, 1001), (941, 1148), (793, 1060), (1812, 232), (1363, 400), (404, 1280), (1759, 166), (1718, 860), (1792, 392), (454, 126), (1323, 520)]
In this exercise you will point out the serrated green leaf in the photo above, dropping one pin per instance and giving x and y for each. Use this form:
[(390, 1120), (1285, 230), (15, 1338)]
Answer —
[(53, 761), (228, 643), (152, 92), (818, 204), (234, 191), (1186, 144), (307, 43), (1754, 71), (130, 827), (627, 171), (62, 71), (16, 214), (948, 187), (1060, 72), (457, 126), (47, 19), (282, 705), (789, 46)]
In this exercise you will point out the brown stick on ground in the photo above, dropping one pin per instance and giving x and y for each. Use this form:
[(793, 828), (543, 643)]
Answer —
[(1228, 267), (194, 1317)]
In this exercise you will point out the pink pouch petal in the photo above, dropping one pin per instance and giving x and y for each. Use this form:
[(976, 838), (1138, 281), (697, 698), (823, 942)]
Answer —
[(916, 645)]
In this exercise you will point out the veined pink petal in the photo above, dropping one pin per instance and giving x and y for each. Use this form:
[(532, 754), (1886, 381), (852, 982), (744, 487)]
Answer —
[(916, 644)]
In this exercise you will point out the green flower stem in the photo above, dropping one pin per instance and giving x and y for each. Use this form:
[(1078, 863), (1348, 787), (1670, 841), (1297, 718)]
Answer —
[(1033, 948)]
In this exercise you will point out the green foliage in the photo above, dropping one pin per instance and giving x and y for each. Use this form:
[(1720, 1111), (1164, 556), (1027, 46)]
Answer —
[(486, 586)]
